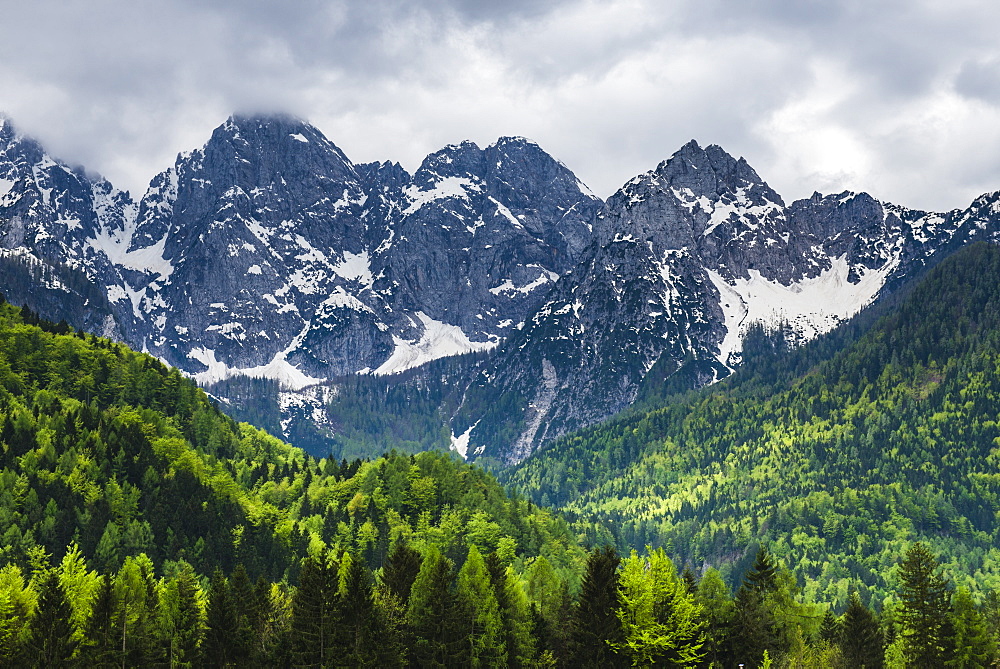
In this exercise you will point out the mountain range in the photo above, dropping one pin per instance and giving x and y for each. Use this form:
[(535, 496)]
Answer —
[(267, 253)]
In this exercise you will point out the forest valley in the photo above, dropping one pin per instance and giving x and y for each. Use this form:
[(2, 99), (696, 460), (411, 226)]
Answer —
[(832, 507)]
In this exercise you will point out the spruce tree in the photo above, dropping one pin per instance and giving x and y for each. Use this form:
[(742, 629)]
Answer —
[(400, 570), (755, 629), (187, 633), (314, 613), (248, 614), (221, 635), (360, 630), (924, 609), (595, 626), (50, 641), (861, 642), (433, 616), (100, 647)]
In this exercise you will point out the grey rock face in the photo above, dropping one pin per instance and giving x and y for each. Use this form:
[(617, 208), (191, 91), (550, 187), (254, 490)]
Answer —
[(268, 253), (50, 215), (690, 255), (483, 235)]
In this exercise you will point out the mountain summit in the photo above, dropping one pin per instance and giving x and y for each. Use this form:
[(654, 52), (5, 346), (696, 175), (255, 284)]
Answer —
[(268, 253)]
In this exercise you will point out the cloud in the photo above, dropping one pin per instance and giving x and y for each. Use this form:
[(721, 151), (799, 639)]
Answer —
[(899, 98)]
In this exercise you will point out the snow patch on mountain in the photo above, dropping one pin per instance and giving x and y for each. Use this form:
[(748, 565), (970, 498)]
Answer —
[(460, 444), (288, 376), (810, 307), (445, 188), (438, 340)]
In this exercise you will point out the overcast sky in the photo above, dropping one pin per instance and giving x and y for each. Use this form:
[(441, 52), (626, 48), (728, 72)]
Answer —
[(900, 98)]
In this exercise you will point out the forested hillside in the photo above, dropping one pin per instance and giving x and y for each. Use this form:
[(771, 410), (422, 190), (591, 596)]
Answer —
[(143, 527), (837, 461)]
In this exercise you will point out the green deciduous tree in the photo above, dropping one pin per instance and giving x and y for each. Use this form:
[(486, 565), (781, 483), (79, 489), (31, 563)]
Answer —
[(661, 620), (478, 603), (973, 645)]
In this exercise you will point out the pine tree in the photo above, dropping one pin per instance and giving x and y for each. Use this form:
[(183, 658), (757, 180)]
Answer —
[(400, 570), (50, 641), (596, 627), (861, 640), (433, 616), (762, 576), (924, 609), (360, 629), (100, 647), (515, 612), (248, 614), (222, 631), (830, 628), (314, 612)]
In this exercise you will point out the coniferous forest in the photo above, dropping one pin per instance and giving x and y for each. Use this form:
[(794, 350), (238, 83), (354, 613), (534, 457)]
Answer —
[(828, 507)]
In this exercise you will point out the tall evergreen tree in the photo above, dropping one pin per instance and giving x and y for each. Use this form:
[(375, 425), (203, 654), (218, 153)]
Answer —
[(400, 569), (924, 609), (762, 576), (248, 615), (755, 629), (596, 627), (361, 628), (100, 647), (314, 612), (861, 642), (515, 612), (186, 639), (50, 641), (222, 630), (434, 617)]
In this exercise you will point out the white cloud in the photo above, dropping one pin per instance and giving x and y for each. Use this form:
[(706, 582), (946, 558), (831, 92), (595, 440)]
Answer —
[(897, 98)]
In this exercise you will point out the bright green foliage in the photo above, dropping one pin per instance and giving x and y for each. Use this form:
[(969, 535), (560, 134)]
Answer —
[(661, 621), (838, 455), (181, 618), (136, 614), (478, 605), (924, 609), (515, 611), (111, 450), (973, 646), (718, 612)]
